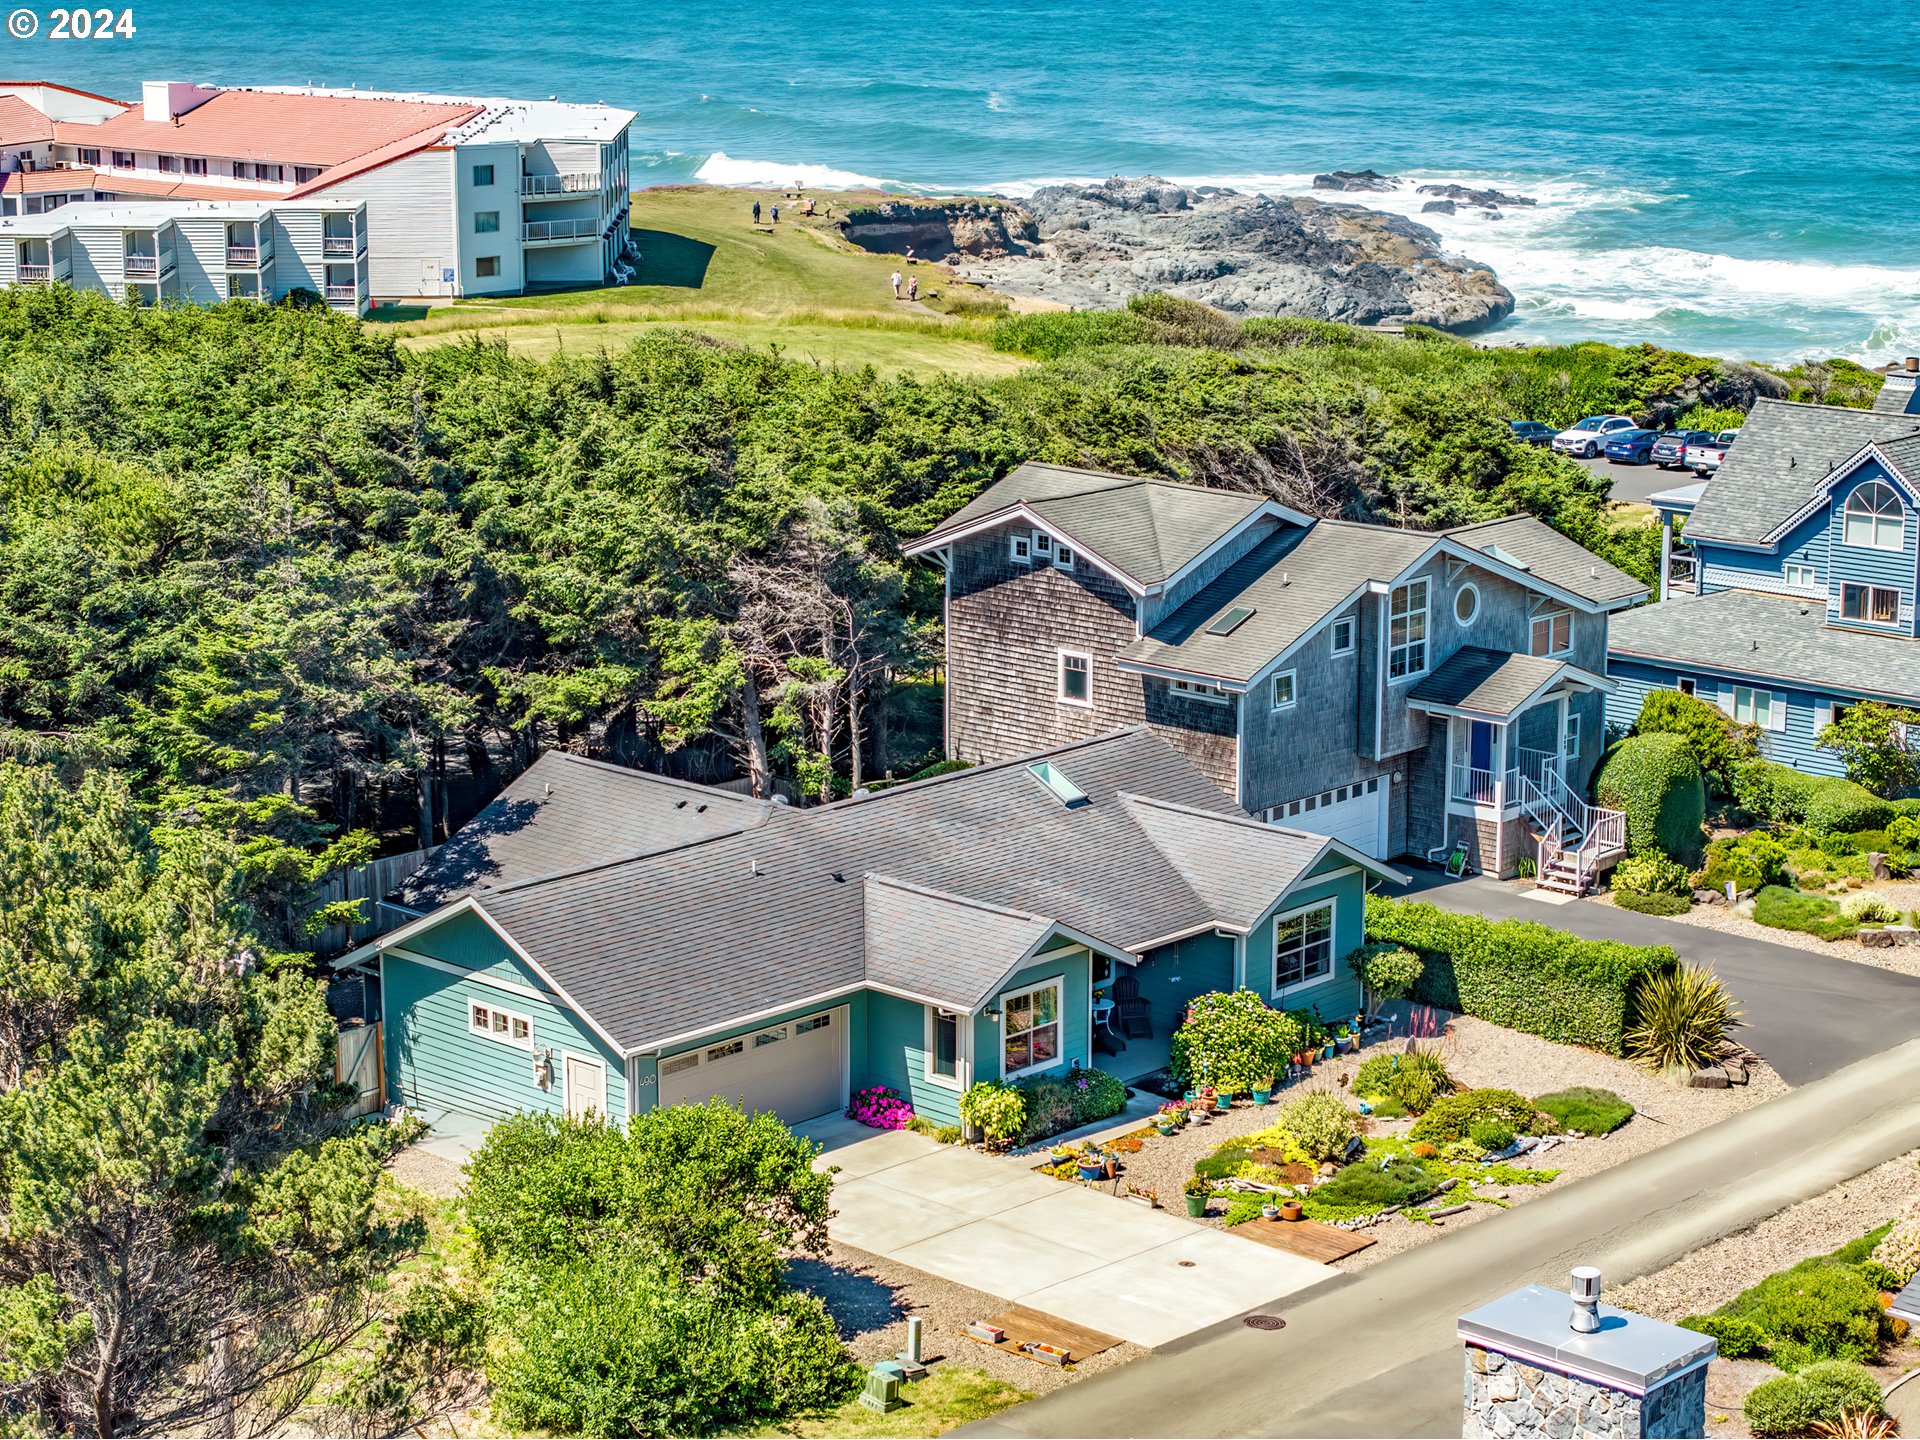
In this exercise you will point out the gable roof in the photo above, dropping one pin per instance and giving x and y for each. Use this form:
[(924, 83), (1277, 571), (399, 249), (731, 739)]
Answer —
[(1784, 458), (280, 127), (1528, 543), (669, 945), (1494, 683), (1148, 530), (21, 123), (566, 813)]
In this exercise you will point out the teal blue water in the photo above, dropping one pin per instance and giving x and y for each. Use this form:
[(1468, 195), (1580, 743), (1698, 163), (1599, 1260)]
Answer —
[(1741, 181)]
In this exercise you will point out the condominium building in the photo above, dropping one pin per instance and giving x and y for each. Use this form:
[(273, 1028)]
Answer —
[(441, 196)]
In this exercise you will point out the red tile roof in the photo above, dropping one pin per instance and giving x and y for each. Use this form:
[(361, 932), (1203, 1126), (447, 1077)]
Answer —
[(20, 123), (37, 182), (288, 129)]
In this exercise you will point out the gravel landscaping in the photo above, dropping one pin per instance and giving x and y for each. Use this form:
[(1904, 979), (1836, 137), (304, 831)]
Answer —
[(1738, 920)]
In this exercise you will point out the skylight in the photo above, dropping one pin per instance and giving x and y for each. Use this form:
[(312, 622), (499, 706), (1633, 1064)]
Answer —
[(1056, 781), (1231, 621), (1508, 557)]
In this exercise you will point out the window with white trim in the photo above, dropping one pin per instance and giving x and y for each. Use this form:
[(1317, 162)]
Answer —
[(1020, 549), (1801, 575), (509, 1027), (1753, 706), (1570, 737), (1283, 695), (1030, 1029), (1042, 543), (1552, 633), (1874, 518), (1407, 631), (1198, 690), (1685, 685), (943, 1046), (1062, 558), (1870, 604), (1342, 631), (1466, 605), (1303, 947), (1076, 678)]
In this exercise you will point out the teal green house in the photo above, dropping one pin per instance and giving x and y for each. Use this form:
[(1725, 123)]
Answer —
[(604, 940)]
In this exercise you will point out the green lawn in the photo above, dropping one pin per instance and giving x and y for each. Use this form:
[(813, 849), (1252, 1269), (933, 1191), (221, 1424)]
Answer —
[(704, 264), (949, 1397)]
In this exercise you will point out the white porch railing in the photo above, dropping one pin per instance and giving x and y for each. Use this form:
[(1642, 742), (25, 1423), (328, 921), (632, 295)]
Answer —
[(146, 265), (572, 182), (339, 245), (1480, 786), (1573, 834)]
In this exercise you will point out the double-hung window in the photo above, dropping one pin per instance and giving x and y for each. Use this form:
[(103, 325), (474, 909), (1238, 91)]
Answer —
[(1407, 631), (1030, 1029), (1752, 706), (943, 1046), (1552, 633), (1302, 947), (1343, 635), (1873, 604), (1283, 696), (1076, 678), (509, 1027)]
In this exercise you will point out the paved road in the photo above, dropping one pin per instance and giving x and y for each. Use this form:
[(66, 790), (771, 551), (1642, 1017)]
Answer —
[(1633, 484), (1808, 1014), (1374, 1353)]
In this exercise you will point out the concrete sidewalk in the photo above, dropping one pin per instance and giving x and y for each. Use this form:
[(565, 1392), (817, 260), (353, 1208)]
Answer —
[(1143, 1275), (1374, 1353)]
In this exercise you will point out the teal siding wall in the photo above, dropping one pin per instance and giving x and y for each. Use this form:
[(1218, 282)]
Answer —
[(896, 1055), (1337, 997), (435, 1063), (1173, 974), (1076, 997), (646, 1077)]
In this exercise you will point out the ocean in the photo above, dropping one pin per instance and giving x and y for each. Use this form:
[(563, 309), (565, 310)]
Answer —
[(1739, 181)]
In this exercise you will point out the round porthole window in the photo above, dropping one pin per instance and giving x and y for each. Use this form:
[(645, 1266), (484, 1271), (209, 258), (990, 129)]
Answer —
[(1466, 604)]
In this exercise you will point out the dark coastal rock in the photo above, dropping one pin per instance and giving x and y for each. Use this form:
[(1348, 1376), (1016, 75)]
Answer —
[(949, 229), (1356, 180), (1478, 199), (1438, 207), (1248, 255)]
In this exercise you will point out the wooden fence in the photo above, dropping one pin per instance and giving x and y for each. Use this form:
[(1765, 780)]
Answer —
[(368, 882)]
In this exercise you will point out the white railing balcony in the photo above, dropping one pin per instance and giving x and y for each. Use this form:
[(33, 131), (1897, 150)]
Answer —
[(1476, 786), (339, 245), (143, 265), (345, 293), (536, 231), (574, 182), (1683, 573), (243, 257), (34, 274)]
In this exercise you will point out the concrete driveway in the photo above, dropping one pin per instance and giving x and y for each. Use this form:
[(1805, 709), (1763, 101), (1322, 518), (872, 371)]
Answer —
[(1098, 1261)]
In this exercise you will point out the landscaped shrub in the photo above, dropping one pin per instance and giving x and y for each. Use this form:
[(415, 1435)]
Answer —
[(1652, 904), (1413, 1080), (1738, 1338), (1651, 875), (1719, 746), (1389, 971), (1586, 1110), (1319, 1122), (1773, 791), (881, 1107), (1794, 1404), (1490, 1134), (1453, 1116), (1519, 973), (1681, 1020), (1065, 1102), (1827, 803), (1818, 1310), (1366, 1188), (1786, 909), (1842, 807), (1233, 1040), (1750, 861), (1899, 1251), (1871, 739), (1656, 782), (994, 1108), (1868, 907)]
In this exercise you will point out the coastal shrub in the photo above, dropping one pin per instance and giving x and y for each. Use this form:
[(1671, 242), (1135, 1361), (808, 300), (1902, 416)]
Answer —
[(995, 1108), (1652, 904), (1718, 745), (1367, 1188), (1818, 1395), (1586, 1110), (1519, 973), (1738, 1337), (1066, 1102), (1682, 1020), (1769, 790), (1655, 781), (1818, 1310), (1750, 861), (1899, 1251), (1453, 1117), (1869, 907), (1389, 971), (1233, 1040), (1651, 875), (1413, 1080), (1828, 804), (1871, 740), (1490, 1134), (1786, 909), (1319, 1122)]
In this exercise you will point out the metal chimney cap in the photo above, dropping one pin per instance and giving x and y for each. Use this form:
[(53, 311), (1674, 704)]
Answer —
[(1913, 364)]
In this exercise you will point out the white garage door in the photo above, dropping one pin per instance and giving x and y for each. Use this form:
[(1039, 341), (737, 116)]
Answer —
[(794, 1069), (1355, 813)]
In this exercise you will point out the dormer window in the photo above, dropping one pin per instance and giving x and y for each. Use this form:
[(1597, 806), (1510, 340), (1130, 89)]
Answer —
[(1062, 558), (1021, 549), (1042, 543), (1874, 518)]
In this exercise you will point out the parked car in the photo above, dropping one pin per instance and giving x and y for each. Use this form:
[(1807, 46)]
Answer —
[(1670, 450), (1631, 447), (1587, 437), (1531, 432), (1705, 458)]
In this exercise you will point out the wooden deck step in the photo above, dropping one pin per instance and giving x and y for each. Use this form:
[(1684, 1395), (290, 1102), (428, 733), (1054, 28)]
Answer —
[(1023, 1324), (1308, 1239)]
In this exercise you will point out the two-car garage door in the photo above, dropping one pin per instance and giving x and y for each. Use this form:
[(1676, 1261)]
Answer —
[(797, 1069), (1355, 813)]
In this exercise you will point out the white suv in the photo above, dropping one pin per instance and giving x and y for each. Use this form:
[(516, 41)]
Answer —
[(1589, 437)]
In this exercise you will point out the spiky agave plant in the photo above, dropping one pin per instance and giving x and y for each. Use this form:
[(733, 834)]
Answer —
[(1856, 1425), (1682, 1020)]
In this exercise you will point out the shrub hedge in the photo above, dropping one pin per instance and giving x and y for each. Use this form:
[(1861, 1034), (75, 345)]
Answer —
[(1827, 803), (1652, 904), (1656, 781), (1520, 973), (1795, 1404), (1057, 1103)]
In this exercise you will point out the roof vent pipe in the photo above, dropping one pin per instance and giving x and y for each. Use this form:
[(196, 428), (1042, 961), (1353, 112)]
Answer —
[(1913, 364), (1586, 1300)]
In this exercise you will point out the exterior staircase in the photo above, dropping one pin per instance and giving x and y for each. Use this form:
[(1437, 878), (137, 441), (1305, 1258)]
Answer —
[(1577, 842)]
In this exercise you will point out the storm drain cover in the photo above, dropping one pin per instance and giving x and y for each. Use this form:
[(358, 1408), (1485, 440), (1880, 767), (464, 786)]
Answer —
[(1263, 1322), (1186, 1264)]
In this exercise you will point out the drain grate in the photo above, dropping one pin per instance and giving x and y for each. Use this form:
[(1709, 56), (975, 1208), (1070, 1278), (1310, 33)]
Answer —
[(1263, 1322), (1186, 1264)]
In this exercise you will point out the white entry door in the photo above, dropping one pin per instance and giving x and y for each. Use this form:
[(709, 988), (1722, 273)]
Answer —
[(586, 1087), (795, 1069), (1356, 814)]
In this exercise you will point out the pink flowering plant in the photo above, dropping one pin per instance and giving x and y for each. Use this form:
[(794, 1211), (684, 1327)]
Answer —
[(880, 1107)]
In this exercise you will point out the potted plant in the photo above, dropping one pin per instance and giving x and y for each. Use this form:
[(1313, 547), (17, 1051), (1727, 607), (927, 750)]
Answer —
[(1263, 1090), (1148, 1198), (1169, 1117), (1269, 1212), (1061, 1154), (1198, 1192), (1094, 1165), (1289, 1209)]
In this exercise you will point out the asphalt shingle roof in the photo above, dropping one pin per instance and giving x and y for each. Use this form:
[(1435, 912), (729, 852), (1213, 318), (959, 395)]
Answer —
[(1784, 455), (943, 947), (1551, 557), (1489, 682), (1236, 868), (1771, 636), (566, 813), (671, 944)]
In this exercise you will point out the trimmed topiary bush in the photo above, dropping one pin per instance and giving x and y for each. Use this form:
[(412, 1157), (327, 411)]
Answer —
[(1232, 1040), (1389, 971), (1841, 807), (1586, 1110), (1452, 1117), (1319, 1123), (1794, 1404), (1521, 974), (1829, 803), (1656, 782), (1899, 1251)]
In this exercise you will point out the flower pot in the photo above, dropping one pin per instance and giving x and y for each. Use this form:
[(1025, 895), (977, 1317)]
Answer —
[(1290, 1210), (1196, 1206), (1326, 1052), (1261, 1097), (1269, 1212), (1165, 1129), (1093, 1172)]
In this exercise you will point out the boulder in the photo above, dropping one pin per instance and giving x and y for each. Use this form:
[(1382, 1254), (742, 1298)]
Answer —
[(1710, 1077), (1439, 207), (1352, 180), (1875, 939), (1709, 897), (1877, 865), (1478, 199)]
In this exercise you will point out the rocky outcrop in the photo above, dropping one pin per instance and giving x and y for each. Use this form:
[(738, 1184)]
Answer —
[(1248, 255), (1477, 199), (982, 229), (1356, 180)]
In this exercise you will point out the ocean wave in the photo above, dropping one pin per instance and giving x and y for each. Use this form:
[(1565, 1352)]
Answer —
[(720, 168)]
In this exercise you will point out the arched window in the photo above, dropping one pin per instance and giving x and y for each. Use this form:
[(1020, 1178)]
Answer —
[(1873, 517)]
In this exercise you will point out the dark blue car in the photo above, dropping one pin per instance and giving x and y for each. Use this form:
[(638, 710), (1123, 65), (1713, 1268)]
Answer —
[(1631, 447)]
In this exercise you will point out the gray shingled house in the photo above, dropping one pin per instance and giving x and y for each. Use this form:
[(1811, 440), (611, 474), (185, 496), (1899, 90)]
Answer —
[(1409, 692), (601, 939)]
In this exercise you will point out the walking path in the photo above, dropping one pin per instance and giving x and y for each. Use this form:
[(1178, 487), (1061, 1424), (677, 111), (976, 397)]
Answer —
[(1374, 1353)]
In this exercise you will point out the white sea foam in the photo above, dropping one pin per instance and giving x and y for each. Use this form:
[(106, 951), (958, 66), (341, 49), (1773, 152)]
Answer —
[(721, 168)]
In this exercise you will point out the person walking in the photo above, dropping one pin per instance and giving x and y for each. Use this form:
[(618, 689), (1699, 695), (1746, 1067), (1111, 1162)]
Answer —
[(896, 284), (776, 214), (756, 212), (913, 288)]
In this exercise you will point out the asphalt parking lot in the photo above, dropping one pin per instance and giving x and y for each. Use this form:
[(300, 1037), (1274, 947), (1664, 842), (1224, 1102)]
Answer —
[(1632, 484)]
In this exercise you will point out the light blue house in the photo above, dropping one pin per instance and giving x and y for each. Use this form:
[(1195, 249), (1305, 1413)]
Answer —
[(1791, 576), (599, 939)]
